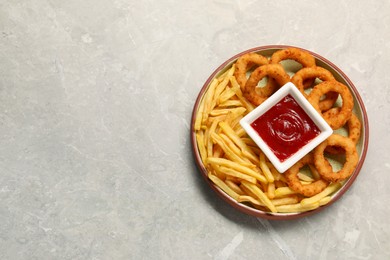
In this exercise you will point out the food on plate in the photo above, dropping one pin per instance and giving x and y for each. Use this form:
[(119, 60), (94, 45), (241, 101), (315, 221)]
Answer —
[(310, 73), (238, 167), (345, 112), (351, 158), (257, 95), (300, 56), (246, 63), (294, 180), (323, 195), (354, 129), (314, 72)]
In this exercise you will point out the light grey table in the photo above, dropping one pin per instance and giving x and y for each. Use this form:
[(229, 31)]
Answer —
[(95, 106)]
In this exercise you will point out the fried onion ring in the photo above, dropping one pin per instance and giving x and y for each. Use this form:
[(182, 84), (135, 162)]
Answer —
[(245, 63), (274, 71), (294, 183), (300, 56), (347, 106), (304, 74), (354, 129), (323, 166)]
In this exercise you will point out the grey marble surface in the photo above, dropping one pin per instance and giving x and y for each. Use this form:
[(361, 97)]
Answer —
[(95, 106)]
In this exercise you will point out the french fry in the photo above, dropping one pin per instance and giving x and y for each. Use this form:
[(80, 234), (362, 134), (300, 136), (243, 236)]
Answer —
[(201, 146), (223, 186), (250, 155), (260, 195), (264, 167), (221, 86), (327, 191), (285, 201), (263, 186), (274, 172), (231, 103), (237, 174), (225, 111), (228, 152), (228, 73), (240, 96), (210, 143), (235, 124), (227, 93), (231, 145), (249, 142), (241, 132), (210, 120), (234, 114), (246, 198), (234, 187), (237, 140), (218, 152), (199, 115), (208, 100), (215, 170), (206, 137), (271, 190), (297, 207), (314, 172), (247, 191), (325, 200), (256, 150), (304, 177), (236, 166), (283, 191)]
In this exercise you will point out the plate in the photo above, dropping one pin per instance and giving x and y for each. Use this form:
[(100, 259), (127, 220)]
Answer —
[(359, 110)]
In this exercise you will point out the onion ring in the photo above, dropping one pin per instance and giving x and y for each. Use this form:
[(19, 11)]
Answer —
[(274, 71), (304, 74), (245, 63), (294, 183), (300, 56), (323, 166), (354, 129), (347, 106)]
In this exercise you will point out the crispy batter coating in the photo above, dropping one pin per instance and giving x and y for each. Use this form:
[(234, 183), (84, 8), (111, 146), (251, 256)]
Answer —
[(323, 166), (354, 129), (304, 74), (294, 183), (346, 110), (258, 95), (245, 63), (300, 56)]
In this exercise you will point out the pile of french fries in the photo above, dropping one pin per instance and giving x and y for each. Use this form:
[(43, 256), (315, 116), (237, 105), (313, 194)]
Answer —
[(234, 162)]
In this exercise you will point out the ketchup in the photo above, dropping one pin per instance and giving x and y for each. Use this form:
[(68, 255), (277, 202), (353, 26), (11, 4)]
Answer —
[(286, 128)]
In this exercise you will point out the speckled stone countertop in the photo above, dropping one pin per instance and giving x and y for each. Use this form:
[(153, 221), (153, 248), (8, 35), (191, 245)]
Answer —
[(95, 109)]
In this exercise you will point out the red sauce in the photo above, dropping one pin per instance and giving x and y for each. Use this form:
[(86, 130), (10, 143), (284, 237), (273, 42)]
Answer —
[(286, 128)]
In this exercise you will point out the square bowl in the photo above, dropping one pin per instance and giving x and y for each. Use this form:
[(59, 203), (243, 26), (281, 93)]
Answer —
[(298, 131)]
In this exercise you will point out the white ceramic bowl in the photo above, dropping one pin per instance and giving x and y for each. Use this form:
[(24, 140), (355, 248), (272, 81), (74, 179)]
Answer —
[(287, 89)]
